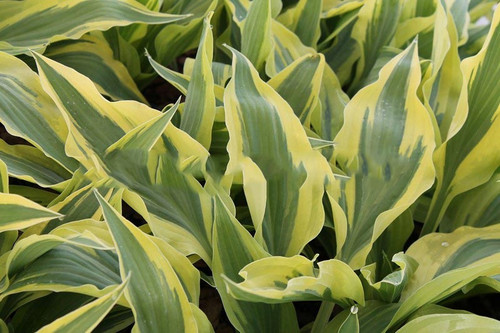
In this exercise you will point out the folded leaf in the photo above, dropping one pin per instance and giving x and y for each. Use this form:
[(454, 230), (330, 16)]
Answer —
[(390, 287), (282, 280)]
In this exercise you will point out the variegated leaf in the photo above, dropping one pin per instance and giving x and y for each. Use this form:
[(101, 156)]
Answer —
[(199, 110), (281, 280), (457, 167), (154, 290), (283, 177), (234, 248), (38, 23), (386, 147), (86, 318)]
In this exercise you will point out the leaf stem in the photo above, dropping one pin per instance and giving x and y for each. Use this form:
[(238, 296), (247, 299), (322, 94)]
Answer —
[(322, 317)]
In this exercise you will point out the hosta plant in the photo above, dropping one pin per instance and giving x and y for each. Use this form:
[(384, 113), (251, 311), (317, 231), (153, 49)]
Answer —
[(325, 166)]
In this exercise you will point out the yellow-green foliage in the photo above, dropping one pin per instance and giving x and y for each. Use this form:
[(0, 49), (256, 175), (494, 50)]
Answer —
[(339, 152)]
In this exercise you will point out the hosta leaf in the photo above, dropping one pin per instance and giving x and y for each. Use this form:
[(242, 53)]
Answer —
[(123, 51), (457, 167), (92, 57), (385, 55), (478, 207), (256, 42), (39, 23), (459, 10), (181, 81), (451, 323), (119, 318), (287, 48), (374, 28), (390, 287), (28, 163), (343, 22), (299, 85), (386, 145), (220, 71), (86, 232), (393, 239), (328, 118), (477, 36), (343, 54), (281, 280), (96, 123), (90, 231), (4, 178), (442, 91), (351, 323), (373, 316), (199, 110), (333, 8), (439, 253), (154, 290), (306, 17), (27, 111), (175, 39), (82, 204), (86, 318), (29, 305), (136, 33), (150, 170), (448, 262), (283, 177), (7, 240), (234, 248), (52, 263), (17, 213)]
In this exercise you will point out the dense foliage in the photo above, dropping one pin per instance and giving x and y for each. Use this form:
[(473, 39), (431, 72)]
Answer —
[(345, 154)]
